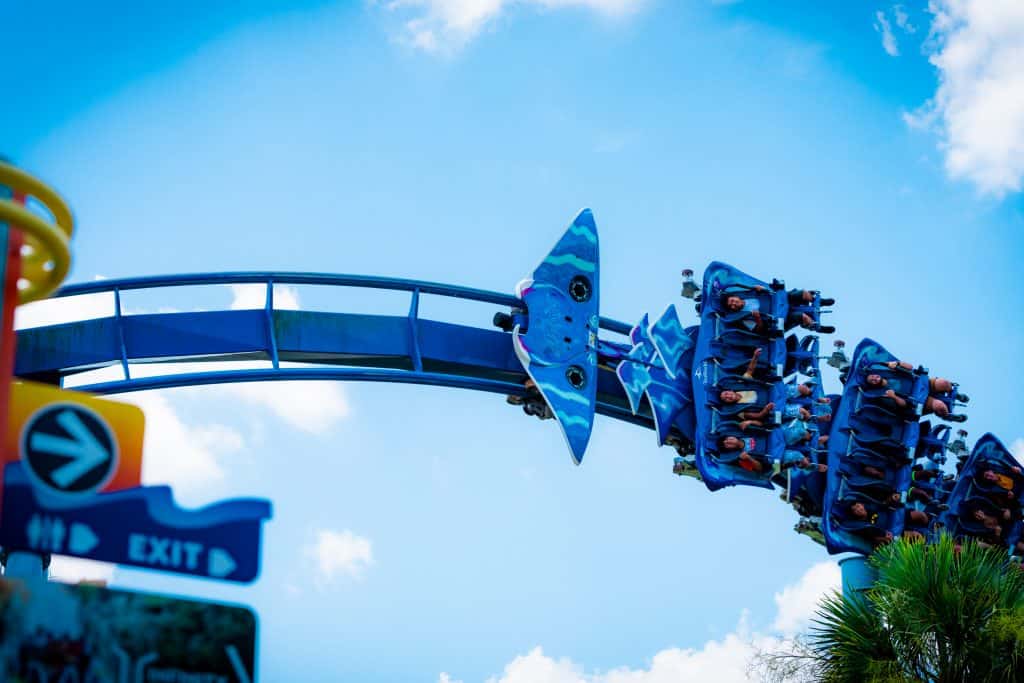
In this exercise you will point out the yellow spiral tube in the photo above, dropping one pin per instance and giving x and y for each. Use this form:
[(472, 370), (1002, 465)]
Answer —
[(46, 256)]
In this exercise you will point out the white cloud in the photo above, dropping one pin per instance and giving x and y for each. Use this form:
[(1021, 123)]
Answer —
[(313, 407), (338, 554), (65, 309), (445, 678), (254, 295), (73, 570), (798, 602), (444, 25), (718, 661), (1017, 448), (727, 660), (183, 455), (883, 27), (978, 109)]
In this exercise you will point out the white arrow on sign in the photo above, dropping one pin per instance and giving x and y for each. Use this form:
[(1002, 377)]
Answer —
[(83, 449), (220, 563), (82, 539)]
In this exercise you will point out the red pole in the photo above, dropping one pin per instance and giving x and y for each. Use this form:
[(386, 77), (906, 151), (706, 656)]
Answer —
[(10, 249)]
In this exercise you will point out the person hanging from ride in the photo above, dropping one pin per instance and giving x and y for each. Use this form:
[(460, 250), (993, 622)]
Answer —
[(871, 482), (533, 402), (895, 378), (798, 431), (803, 312), (744, 398), (748, 453), (988, 521), (995, 479), (861, 518), (990, 515), (802, 393), (734, 359), (806, 414), (746, 299)]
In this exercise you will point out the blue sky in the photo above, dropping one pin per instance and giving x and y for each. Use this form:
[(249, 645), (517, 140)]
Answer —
[(420, 531)]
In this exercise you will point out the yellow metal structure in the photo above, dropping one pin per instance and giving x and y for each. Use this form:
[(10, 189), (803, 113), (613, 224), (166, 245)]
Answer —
[(46, 257)]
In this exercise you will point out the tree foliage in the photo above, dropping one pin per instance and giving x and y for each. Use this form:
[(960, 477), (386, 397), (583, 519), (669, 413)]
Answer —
[(939, 613)]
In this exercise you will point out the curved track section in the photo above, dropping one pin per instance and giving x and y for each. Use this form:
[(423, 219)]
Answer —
[(330, 346)]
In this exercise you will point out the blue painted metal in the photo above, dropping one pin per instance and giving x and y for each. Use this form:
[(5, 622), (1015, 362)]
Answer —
[(141, 527), (268, 310), (633, 369), (715, 338), (858, 575), (852, 436), (669, 400), (972, 492), (672, 342), (120, 334), (559, 348), (295, 278), (414, 335)]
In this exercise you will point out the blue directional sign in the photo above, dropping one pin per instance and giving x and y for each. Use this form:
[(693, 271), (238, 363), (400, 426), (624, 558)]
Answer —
[(68, 448), (139, 526)]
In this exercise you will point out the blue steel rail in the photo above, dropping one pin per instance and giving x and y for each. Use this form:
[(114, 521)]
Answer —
[(345, 346)]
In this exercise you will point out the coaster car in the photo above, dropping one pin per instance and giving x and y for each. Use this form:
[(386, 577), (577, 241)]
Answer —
[(990, 481), (864, 432)]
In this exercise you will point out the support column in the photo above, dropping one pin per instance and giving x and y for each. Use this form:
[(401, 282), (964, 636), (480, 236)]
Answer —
[(858, 575)]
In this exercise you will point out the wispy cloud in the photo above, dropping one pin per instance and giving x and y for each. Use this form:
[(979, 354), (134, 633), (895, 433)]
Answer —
[(978, 110), (903, 19), (884, 20), (339, 554), (443, 26), (884, 28)]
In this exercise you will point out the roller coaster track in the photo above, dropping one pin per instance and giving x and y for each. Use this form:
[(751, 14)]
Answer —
[(331, 346)]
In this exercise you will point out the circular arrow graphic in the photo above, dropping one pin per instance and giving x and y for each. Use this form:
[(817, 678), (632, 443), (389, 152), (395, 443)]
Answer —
[(68, 448)]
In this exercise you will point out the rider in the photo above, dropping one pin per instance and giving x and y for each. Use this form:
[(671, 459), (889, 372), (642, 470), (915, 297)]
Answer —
[(1001, 480), (897, 393), (864, 520), (533, 403), (749, 396), (733, 301), (749, 459)]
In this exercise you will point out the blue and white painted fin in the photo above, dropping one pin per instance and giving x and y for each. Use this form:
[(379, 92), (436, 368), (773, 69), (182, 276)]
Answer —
[(667, 401), (670, 341), (639, 334), (559, 348), (634, 375)]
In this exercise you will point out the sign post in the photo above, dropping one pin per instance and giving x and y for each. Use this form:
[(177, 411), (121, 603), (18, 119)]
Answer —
[(18, 563)]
